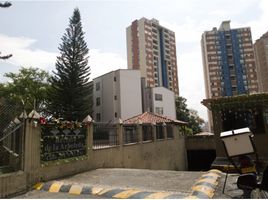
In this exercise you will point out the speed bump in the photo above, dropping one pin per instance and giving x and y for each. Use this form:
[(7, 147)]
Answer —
[(205, 187), (55, 187), (105, 192)]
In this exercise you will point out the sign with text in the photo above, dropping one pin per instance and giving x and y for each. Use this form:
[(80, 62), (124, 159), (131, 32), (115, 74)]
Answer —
[(62, 143)]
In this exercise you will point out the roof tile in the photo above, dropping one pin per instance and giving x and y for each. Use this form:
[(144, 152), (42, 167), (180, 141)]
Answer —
[(151, 118)]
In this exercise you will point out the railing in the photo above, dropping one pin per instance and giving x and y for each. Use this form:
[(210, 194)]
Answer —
[(147, 132), (130, 134), (11, 132), (8, 123), (104, 135), (159, 132), (169, 129)]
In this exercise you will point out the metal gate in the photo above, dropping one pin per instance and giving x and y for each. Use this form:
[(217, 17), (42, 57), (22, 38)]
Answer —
[(11, 138), (104, 135)]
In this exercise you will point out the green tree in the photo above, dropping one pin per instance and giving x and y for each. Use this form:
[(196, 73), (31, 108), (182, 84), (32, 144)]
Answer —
[(5, 5), (27, 88), (195, 122), (188, 115), (182, 112), (70, 91)]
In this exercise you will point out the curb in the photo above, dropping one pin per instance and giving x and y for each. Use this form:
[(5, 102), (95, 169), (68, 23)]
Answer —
[(205, 187), (105, 192)]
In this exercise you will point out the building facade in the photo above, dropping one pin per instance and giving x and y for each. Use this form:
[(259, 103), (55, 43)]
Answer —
[(161, 101), (228, 62), (261, 54), (117, 94), (151, 48)]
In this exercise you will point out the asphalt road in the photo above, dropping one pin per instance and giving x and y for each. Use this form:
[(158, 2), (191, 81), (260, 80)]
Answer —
[(177, 182)]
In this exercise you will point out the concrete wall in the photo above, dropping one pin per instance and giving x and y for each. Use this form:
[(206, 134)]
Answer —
[(157, 155), (166, 154), (200, 142), (12, 183)]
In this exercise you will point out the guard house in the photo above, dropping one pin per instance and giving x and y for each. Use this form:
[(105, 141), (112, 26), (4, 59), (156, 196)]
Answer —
[(237, 112)]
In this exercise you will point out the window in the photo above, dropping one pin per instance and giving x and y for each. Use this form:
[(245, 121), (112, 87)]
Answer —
[(98, 117), (159, 110), (114, 79), (115, 114), (130, 134), (98, 101), (169, 131), (158, 97), (147, 133), (115, 97), (97, 85), (159, 132)]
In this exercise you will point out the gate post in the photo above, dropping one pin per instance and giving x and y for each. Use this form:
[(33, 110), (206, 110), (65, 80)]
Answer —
[(32, 150), (89, 128), (89, 134), (120, 130), (139, 129), (154, 131)]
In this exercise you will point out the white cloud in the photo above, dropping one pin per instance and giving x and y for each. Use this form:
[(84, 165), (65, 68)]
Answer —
[(23, 55), (188, 36), (260, 26), (100, 62), (104, 62), (191, 80)]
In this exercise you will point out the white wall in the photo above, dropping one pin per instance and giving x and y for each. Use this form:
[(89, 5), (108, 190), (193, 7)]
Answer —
[(126, 87), (106, 94), (130, 93), (167, 103)]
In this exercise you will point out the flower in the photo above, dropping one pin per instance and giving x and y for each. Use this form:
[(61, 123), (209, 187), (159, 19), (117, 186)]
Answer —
[(42, 120)]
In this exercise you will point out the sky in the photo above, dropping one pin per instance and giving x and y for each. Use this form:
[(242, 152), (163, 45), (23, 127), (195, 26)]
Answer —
[(32, 31)]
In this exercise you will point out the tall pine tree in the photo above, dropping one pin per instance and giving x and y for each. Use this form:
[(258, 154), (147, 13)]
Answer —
[(70, 91)]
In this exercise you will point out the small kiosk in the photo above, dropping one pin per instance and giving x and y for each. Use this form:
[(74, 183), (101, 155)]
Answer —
[(238, 146), (238, 142)]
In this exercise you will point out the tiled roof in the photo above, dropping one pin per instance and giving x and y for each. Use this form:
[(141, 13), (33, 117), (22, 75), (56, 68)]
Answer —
[(151, 118)]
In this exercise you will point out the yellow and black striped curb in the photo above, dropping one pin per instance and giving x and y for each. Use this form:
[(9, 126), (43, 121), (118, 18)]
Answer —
[(105, 192), (205, 187)]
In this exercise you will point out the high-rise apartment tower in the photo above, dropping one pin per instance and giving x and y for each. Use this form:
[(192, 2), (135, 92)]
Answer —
[(261, 54), (228, 61), (151, 48)]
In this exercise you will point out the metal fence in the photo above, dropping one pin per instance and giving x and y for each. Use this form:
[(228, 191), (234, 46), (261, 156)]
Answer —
[(147, 132), (169, 129), (104, 135), (8, 113), (130, 134), (159, 132), (11, 136)]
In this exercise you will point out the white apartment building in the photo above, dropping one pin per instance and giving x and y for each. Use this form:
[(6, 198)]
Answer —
[(161, 101), (117, 94)]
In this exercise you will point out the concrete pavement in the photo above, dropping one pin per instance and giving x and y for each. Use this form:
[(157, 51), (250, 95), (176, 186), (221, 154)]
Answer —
[(137, 183)]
